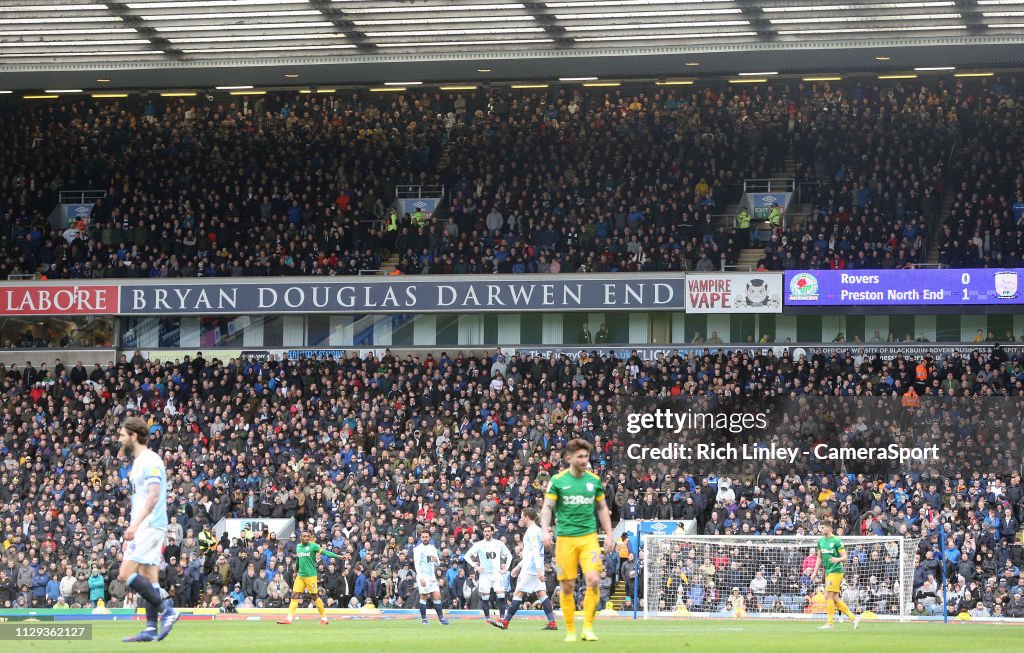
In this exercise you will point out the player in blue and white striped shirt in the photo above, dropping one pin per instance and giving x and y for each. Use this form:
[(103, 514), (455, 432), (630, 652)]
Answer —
[(531, 573)]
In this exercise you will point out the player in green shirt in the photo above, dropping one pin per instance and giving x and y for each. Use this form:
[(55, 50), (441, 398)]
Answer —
[(305, 576), (832, 554), (574, 496)]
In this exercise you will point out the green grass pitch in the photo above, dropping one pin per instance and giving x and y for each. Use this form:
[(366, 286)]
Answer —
[(620, 636)]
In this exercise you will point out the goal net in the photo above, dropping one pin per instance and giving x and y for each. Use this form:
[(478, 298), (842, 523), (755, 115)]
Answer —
[(767, 576)]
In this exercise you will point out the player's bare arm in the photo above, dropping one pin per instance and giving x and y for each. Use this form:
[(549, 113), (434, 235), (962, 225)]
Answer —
[(604, 515), (545, 521)]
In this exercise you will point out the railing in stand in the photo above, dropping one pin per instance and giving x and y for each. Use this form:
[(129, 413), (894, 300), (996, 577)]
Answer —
[(81, 196), (22, 277), (737, 268), (418, 191), (769, 185)]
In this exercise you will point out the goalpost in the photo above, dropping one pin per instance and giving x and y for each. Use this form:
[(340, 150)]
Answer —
[(768, 576)]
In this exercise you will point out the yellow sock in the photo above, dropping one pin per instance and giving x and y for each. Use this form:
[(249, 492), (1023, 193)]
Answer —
[(841, 604), (320, 608), (569, 611), (830, 610), (292, 607), (590, 600)]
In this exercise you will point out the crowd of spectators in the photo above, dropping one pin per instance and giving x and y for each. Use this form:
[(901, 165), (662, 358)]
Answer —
[(874, 163), (559, 181), (367, 451)]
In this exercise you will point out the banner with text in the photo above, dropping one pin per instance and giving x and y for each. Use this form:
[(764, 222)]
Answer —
[(235, 527), (58, 299), (734, 292), (966, 287), (406, 295)]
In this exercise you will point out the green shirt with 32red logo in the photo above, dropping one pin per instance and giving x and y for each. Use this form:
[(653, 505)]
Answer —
[(575, 499)]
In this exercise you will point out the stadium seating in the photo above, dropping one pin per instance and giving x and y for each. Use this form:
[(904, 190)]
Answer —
[(292, 184), (364, 451)]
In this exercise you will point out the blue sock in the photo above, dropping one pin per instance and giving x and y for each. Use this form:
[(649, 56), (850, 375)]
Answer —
[(501, 605), (513, 607), (549, 611), (423, 610), (437, 607), (486, 608)]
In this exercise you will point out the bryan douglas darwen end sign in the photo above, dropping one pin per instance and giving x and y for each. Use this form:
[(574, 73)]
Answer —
[(408, 295)]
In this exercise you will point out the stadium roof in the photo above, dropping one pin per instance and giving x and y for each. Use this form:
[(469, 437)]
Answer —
[(206, 43)]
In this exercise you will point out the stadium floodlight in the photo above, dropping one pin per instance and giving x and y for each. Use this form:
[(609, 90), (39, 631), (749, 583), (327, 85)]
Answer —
[(678, 576)]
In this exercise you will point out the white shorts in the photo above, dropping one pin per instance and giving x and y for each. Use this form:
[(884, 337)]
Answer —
[(530, 583), (489, 581), (430, 587), (148, 546)]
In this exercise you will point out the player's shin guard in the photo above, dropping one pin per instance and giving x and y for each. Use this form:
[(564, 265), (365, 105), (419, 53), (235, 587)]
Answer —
[(485, 605), (437, 608), (568, 603), (841, 605), (590, 601), (292, 607), (423, 610), (147, 590), (513, 607), (830, 610), (549, 611), (320, 608)]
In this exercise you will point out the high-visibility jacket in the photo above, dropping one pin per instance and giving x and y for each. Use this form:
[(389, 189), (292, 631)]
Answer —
[(775, 217), (743, 220), (911, 399), (922, 372)]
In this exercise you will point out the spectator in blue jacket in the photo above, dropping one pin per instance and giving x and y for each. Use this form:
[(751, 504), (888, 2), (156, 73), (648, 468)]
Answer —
[(96, 586)]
